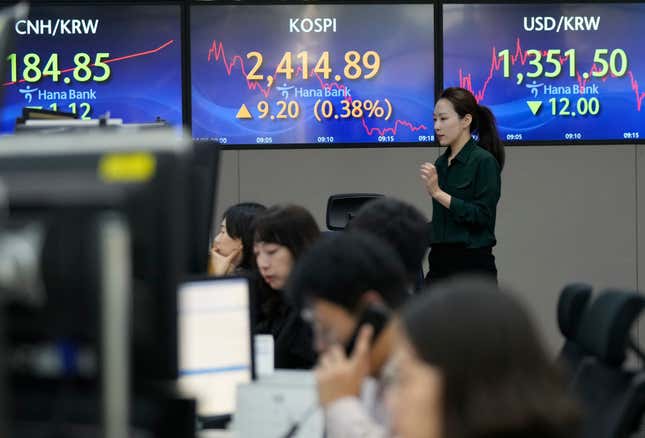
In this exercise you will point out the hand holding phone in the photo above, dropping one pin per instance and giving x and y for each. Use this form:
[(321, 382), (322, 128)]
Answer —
[(375, 315), (338, 375)]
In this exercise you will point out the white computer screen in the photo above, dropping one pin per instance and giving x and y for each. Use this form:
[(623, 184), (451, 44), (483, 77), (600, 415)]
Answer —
[(214, 342)]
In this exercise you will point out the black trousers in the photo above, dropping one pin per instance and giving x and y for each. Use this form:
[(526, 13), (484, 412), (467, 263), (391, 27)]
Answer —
[(447, 260)]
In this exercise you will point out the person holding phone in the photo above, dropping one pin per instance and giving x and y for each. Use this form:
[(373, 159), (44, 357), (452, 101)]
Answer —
[(465, 186), (350, 286)]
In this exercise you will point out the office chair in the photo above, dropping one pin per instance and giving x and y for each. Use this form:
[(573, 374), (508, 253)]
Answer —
[(341, 208), (613, 397), (571, 306)]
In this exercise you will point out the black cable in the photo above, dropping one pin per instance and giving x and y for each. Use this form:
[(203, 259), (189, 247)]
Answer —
[(296, 425)]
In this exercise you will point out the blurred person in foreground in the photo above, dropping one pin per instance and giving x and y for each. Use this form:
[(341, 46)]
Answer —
[(470, 364)]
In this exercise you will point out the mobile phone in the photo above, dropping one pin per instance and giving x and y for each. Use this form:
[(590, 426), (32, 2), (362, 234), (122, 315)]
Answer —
[(375, 315)]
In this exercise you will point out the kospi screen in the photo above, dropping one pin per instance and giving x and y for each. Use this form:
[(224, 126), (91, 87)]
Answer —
[(551, 72), (93, 59), (312, 74)]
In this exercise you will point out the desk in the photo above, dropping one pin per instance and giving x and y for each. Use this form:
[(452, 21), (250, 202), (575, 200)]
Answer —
[(269, 406)]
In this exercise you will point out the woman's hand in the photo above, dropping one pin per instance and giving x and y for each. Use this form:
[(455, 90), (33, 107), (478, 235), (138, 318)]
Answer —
[(430, 179), (219, 265)]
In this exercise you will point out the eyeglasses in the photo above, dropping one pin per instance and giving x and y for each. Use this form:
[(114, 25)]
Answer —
[(324, 336)]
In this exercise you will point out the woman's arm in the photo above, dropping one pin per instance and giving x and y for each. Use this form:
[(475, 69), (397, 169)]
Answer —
[(487, 192)]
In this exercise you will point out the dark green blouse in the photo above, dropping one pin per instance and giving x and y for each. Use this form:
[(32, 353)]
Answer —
[(473, 181)]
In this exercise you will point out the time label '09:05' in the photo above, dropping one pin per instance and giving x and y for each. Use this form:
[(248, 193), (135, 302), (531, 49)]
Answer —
[(30, 70)]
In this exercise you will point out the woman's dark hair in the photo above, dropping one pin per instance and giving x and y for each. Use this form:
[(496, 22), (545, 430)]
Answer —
[(497, 378), (288, 225), (483, 120), (239, 225)]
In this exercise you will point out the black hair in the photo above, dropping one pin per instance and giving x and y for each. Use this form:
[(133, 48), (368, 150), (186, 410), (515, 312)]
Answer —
[(483, 120), (288, 225), (399, 224), (497, 379), (293, 227), (340, 268), (239, 225)]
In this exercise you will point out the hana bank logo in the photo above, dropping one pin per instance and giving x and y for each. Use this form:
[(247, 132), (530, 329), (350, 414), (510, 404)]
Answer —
[(533, 87), (27, 92), (285, 90)]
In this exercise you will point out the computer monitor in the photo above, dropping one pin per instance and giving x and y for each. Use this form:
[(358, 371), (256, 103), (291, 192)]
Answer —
[(96, 58), (51, 179), (215, 342), (264, 75), (8, 16), (56, 185), (203, 180)]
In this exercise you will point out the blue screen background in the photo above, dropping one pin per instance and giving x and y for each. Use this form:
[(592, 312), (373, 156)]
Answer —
[(143, 86), (473, 32), (221, 36)]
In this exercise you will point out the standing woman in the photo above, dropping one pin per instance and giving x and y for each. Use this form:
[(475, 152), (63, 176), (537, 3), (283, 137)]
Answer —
[(464, 184)]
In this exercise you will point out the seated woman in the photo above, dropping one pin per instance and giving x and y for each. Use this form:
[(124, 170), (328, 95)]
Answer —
[(470, 365), (232, 249), (282, 234)]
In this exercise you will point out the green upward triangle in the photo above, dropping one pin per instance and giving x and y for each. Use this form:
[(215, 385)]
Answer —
[(534, 105)]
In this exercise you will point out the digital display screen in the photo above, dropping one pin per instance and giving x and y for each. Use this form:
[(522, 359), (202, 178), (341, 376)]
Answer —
[(214, 342), (124, 60), (551, 72), (312, 74)]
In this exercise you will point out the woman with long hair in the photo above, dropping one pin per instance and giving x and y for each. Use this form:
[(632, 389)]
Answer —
[(470, 364), (465, 186), (282, 235)]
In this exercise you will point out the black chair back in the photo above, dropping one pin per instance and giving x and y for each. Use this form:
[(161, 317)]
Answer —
[(613, 397), (341, 208), (572, 303)]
